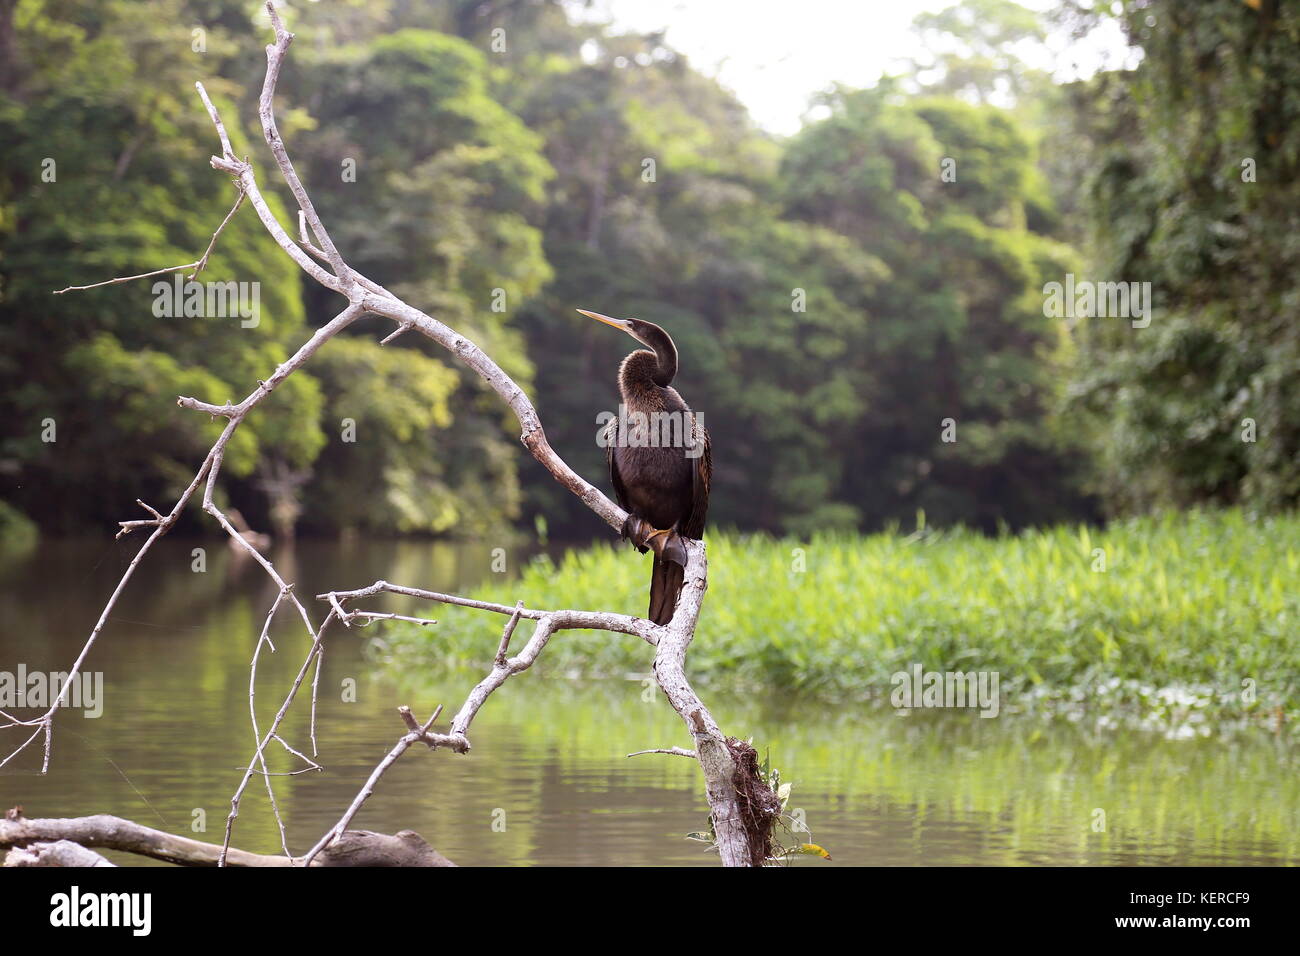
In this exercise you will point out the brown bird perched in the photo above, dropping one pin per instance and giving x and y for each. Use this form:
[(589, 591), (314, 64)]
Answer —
[(659, 458)]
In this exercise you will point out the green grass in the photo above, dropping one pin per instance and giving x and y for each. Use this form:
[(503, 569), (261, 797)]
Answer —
[(1189, 606)]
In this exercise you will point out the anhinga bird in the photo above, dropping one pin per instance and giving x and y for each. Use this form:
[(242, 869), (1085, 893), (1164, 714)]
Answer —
[(664, 483)]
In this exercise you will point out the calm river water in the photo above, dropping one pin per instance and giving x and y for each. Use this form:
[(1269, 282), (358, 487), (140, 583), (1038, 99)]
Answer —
[(548, 781)]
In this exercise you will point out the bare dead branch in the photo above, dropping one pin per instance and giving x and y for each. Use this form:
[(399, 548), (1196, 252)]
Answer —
[(45, 721), (58, 853), (266, 111), (595, 620), (506, 634), (226, 151), (203, 259), (273, 732), (377, 616), (265, 639), (675, 751), (121, 279), (198, 265), (670, 641), (243, 173), (415, 727), (548, 622)]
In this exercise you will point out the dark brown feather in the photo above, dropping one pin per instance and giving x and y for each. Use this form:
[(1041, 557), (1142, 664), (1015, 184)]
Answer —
[(662, 485), (665, 587)]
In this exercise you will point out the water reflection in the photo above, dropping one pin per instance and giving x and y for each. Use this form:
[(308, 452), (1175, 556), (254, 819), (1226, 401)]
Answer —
[(548, 782)]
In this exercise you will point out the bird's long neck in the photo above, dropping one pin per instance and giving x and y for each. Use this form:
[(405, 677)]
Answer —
[(649, 371), (644, 375), (638, 380), (665, 356), (667, 366)]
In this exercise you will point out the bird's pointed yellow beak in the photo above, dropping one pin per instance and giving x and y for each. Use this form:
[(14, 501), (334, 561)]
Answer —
[(616, 323)]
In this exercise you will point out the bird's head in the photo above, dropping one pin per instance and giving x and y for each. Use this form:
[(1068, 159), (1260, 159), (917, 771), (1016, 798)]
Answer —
[(649, 335)]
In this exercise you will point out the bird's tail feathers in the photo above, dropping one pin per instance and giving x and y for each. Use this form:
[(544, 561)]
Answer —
[(665, 586)]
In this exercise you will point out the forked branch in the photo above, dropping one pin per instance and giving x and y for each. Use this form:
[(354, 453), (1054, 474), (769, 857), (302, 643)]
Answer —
[(671, 641)]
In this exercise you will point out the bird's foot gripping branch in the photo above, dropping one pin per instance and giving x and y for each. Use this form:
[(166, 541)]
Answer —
[(733, 787), (664, 542)]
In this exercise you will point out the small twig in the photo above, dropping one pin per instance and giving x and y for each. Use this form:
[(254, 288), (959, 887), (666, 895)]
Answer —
[(271, 734), (266, 111), (312, 765), (343, 615), (566, 619), (121, 279), (198, 265), (226, 150), (157, 521), (378, 616), (402, 327), (506, 634), (675, 751), (265, 638), (149, 508), (282, 773), (423, 731), (203, 260), (429, 723)]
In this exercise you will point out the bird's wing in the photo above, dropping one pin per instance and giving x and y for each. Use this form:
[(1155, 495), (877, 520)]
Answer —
[(701, 478), (611, 437)]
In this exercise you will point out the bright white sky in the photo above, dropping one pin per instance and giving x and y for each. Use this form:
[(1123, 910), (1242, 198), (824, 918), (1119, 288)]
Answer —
[(774, 54)]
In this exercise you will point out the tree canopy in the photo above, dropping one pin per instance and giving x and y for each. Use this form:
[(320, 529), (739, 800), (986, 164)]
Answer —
[(859, 307)]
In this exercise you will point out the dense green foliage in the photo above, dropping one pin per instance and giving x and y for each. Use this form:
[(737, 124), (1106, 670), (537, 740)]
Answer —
[(110, 108), (1195, 188), (859, 307), (1154, 615), (834, 301), (105, 92)]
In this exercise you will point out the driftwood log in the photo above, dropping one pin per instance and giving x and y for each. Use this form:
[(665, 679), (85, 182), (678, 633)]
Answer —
[(66, 842), (58, 853)]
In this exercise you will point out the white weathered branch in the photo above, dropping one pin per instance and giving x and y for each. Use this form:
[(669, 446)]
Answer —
[(244, 178), (58, 853), (266, 112), (670, 641), (713, 750), (674, 751), (640, 627)]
